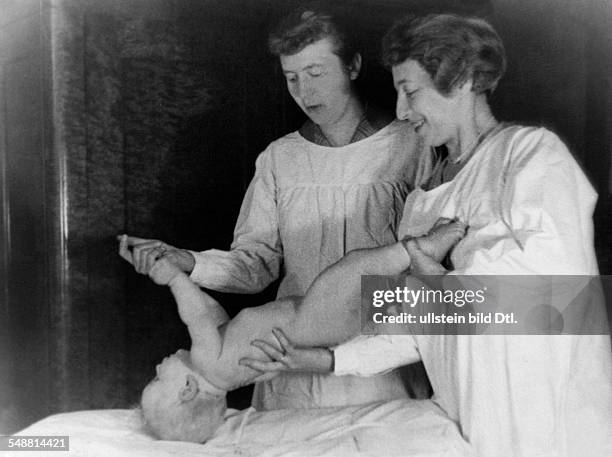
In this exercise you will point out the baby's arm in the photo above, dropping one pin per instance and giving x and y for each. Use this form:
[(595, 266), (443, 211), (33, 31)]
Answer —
[(199, 311)]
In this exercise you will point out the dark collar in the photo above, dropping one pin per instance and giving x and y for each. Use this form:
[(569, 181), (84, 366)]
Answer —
[(373, 120)]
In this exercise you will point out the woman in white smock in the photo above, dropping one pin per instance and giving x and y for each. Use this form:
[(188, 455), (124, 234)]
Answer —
[(337, 184)]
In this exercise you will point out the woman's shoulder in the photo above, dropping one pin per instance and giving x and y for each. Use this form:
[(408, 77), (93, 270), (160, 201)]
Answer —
[(523, 141), (287, 143)]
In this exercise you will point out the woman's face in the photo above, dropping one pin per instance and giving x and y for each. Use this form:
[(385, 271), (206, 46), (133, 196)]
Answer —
[(319, 82), (434, 116)]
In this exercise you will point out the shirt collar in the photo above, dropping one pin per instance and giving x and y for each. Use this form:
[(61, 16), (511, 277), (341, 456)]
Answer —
[(373, 120)]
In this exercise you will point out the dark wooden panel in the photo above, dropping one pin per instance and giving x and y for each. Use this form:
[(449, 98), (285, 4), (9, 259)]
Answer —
[(6, 387), (67, 169), (105, 217), (13, 10), (24, 105), (21, 35), (29, 312), (24, 234)]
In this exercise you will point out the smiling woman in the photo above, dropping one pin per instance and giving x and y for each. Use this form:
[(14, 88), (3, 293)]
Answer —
[(444, 81)]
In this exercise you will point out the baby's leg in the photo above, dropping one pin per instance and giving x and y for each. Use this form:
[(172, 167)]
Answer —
[(329, 313)]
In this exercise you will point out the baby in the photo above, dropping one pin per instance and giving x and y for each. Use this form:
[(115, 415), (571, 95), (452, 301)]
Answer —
[(186, 400)]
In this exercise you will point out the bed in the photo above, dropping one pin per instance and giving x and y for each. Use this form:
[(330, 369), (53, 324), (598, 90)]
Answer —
[(398, 428)]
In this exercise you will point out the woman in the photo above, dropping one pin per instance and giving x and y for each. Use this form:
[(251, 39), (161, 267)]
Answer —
[(529, 211), (335, 185)]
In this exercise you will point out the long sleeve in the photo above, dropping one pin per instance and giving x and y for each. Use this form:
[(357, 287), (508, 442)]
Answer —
[(255, 257), (371, 355), (544, 212), (550, 392)]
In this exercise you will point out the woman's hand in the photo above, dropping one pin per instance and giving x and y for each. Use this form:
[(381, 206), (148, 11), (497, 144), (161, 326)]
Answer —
[(146, 252), (288, 357)]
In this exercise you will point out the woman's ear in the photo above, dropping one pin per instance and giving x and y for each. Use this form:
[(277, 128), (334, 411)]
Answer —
[(355, 66), (191, 388), (465, 88)]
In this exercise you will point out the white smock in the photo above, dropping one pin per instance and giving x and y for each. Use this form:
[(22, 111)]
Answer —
[(306, 207), (529, 209)]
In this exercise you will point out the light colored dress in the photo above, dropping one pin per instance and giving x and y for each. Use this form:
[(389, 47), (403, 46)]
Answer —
[(529, 209), (306, 207)]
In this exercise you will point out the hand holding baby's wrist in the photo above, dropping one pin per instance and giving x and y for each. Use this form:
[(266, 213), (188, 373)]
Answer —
[(174, 280), (165, 273)]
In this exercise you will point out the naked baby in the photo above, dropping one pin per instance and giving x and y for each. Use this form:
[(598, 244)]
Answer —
[(186, 400)]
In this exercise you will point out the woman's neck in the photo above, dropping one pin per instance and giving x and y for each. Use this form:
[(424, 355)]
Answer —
[(340, 132), (477, 122)]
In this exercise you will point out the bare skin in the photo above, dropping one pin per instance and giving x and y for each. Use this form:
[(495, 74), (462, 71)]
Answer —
[(444, 234), (341, 304), (324, 317)]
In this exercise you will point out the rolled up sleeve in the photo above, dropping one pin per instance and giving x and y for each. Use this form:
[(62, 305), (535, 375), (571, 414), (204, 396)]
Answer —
[(372, 355)]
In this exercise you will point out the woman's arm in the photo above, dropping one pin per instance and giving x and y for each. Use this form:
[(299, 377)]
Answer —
[(256, 254)]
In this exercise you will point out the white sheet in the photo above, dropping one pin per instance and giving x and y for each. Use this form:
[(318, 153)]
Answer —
[(399, 428)]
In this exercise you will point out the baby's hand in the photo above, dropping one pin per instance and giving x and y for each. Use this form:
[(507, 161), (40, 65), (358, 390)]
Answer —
[(163, 271)]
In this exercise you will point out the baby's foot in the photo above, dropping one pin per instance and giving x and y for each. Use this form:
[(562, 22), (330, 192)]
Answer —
[(441, 239), (422, 264)]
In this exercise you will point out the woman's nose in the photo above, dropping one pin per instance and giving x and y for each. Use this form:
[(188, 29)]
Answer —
[(305, 87), (402, 108)]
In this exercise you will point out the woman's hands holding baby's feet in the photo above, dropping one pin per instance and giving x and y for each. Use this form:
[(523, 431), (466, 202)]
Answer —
[(444, 235), (428, 251)]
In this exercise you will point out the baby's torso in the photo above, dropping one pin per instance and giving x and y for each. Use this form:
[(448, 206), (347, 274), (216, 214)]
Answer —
[(248, 325)]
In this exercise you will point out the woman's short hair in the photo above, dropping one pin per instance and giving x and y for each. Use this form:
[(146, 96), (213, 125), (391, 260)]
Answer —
[(305, 26), (452, 49)]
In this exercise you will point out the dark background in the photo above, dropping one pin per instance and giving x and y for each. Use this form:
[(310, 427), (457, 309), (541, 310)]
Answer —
[(146, 117)]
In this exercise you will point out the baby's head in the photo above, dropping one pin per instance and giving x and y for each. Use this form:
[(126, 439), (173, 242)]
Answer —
[(180, 404)]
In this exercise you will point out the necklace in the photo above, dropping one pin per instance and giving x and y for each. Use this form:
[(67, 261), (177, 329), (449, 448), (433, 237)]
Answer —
[(449, 169), (484, 133)]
